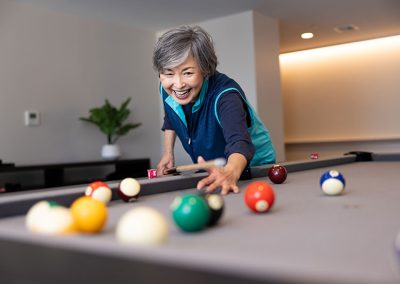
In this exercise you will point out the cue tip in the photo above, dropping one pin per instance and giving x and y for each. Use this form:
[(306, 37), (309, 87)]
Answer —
[(220, 162)]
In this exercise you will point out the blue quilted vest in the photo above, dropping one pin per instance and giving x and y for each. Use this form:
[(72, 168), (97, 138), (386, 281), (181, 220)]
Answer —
[(203, 136)]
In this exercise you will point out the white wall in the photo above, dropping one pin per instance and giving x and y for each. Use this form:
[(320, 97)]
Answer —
[(234, 44), (269, 96), (247, 46), (62, 66), (232, 36)]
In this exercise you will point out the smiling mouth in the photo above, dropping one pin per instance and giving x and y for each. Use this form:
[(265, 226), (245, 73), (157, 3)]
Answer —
[(182, 94)]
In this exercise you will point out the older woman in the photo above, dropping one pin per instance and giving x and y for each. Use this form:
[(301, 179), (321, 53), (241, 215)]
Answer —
[(207, 110)]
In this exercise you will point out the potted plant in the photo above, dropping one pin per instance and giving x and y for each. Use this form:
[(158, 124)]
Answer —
[(112, 122)]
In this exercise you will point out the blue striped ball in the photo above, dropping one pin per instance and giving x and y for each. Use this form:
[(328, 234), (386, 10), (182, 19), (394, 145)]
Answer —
[(332, 182)]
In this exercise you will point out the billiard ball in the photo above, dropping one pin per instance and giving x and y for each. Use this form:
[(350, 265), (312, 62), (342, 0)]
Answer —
[(190, 212), (215, 203), (277, 174), (49, 217), (142, 226), (99, 190), (259, 196), (332, 182), (36, 213), (89, 214), (129, 189)]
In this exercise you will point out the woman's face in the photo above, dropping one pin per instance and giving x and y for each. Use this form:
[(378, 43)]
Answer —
[(183, 82)]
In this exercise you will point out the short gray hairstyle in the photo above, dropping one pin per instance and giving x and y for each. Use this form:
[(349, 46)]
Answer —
[(174, 46)]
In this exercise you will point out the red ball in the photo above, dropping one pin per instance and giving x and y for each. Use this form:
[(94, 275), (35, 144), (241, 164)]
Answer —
[(277, 174), (259, 196), (99, 190)]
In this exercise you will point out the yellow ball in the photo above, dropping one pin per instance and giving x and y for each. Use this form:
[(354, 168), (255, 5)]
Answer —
[(90, 215)]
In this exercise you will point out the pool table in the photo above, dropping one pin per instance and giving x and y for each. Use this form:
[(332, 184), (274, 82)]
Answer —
[(307, 237)]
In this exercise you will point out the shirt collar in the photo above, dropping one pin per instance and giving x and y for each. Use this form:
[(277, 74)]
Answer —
[(202, 96)]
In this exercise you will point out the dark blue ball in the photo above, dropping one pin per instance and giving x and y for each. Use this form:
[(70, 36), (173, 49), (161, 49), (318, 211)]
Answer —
[(332, 182), (332, 174)]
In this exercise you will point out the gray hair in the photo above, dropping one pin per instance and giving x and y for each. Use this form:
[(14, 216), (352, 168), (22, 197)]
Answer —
[(174, 46)]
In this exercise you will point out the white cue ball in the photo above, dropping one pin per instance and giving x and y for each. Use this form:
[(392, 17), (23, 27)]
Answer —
[(142, 226), (36, 213), (129, 189), (49, 218)]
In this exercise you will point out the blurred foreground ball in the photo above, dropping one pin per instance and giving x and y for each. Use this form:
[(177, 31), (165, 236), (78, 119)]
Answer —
[(190, 212), (216, 205), (90, 215), (48, 217), (142, 226)]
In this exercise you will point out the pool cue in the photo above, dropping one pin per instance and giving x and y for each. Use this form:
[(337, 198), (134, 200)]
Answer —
[(200, 166)]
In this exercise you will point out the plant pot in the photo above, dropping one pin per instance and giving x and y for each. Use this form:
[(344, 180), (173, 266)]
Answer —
[(110, 152)]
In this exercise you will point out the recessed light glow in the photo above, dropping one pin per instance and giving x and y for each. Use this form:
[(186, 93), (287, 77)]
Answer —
[(365, 48), (307, 35)]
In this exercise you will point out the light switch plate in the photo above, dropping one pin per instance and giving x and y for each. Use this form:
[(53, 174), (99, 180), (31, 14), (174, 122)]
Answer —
[(32, 118)]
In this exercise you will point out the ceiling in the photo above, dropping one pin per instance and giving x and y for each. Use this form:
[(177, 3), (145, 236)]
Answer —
[(372, 18)]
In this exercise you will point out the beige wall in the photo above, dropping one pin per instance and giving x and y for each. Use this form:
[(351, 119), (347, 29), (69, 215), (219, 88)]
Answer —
[(62, 65), (302, 151), (342, 98)]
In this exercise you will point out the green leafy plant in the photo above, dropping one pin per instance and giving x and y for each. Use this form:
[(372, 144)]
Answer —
[(111, 120)]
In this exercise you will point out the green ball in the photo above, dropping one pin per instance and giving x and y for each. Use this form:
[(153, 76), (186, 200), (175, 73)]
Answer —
[(190, 212)]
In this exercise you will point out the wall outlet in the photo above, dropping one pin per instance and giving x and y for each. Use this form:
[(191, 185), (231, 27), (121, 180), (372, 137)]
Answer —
[(32, 118)]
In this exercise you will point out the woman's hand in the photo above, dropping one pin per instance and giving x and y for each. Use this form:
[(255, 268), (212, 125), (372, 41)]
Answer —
[(226, 177), (167, 161)]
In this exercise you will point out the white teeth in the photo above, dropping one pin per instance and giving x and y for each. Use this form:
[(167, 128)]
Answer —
[(182, 94)]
